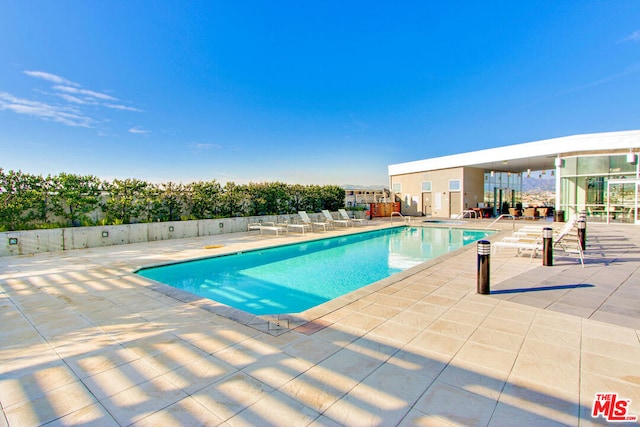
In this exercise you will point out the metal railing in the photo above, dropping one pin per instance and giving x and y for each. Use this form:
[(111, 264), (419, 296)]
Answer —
[(513, 218), (407, 219)]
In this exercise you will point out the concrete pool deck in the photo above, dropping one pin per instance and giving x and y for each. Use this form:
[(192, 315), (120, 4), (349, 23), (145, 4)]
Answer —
[(85, 341)]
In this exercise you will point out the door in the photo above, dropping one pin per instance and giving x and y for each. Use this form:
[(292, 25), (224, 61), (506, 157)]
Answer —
[(426, 204), (622, 200), (455, 203)]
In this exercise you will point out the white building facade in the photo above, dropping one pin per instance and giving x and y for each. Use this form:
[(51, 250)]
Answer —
[(598, 173)]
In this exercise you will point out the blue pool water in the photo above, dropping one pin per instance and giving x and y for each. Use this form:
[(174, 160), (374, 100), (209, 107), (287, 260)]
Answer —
[(294, 278)]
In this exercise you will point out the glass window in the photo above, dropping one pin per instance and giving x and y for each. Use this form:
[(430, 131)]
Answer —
[(593, 165), (596, 190), (454, 185), (426, 185), (619, 164), (569, 186), (397, 187), (569, 166), (622, 195)]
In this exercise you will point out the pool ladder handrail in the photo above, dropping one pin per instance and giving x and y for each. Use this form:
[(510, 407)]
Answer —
[(503, 216), (407, 219), (472, 214)]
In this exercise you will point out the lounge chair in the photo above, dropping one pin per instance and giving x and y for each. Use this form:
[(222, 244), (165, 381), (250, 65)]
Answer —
[(533, 245), (306, 220), (571, 244), (530, 238), (295, 226), (270, 226), (333, 222), (345, 216), (568, 242), (536, 230)]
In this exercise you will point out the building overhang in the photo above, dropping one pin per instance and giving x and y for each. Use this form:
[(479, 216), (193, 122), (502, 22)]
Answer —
[(538, 155)]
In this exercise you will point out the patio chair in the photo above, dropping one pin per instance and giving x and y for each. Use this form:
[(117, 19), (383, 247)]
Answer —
[(345, 216), (533, 245), (306, 220), (332, 221), (531, 213), (569, 242), (530, 238), (536, 230), (299, 227), (270, 226), (571, 245)]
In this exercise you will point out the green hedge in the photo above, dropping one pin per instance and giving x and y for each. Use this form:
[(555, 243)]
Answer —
[(33, 201)]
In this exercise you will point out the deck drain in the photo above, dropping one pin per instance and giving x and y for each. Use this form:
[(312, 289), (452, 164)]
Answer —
[(278, 324)]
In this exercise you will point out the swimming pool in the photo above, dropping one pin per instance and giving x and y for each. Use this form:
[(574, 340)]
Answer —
[(296, 277)]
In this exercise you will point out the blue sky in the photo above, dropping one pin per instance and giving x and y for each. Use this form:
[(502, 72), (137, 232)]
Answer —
[(303, 92)]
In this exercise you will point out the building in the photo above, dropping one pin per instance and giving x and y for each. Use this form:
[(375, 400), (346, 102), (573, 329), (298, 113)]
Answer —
[(354, 196), (597, 173)]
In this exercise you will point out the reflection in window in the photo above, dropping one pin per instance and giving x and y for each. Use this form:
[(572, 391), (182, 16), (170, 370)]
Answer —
[(593, 165), (619, 164), (596, 190)]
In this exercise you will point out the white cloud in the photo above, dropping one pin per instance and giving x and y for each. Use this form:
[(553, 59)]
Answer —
[(138, 130), (85, 92), (633, 37), (198, 146), (122, 107), (66, 102), (50, 77), (72, 99), (65, 115)]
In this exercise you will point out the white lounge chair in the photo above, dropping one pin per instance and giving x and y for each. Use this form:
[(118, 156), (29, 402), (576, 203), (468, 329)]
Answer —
[(306, 220), (566, 228), (521, 245), (530, 238), (535, 230), (330, 219), (568, 242), (345, 216), (295, 226), (270, 226)]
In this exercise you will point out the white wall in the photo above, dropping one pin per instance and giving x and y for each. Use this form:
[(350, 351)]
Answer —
[(60, 239)]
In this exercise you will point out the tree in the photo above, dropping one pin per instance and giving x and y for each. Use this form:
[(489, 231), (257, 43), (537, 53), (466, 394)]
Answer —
[(171, 200), (43, 189), (204, 198), (128, 200), (268, 198), (16, 199), (234, 200), (27, 199), (297, 198), (154, 209), (313, 199), (332, 197), (74, 196)]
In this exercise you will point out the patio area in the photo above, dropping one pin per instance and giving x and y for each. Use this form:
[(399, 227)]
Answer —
[(86, 342)]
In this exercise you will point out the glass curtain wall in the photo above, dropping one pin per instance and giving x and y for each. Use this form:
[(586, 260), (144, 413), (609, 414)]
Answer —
[(502, 190), (596, 184)]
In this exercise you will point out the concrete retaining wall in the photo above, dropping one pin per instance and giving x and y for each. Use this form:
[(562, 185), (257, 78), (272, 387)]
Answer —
[(59, 239)]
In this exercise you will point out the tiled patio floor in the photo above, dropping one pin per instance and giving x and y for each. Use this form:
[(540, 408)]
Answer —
[(83, 341)]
